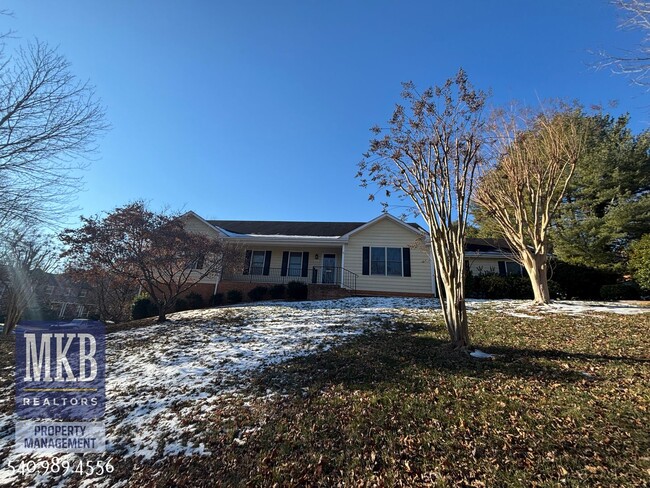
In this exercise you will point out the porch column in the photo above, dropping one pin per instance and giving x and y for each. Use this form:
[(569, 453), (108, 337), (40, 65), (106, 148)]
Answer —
[(342, 265)]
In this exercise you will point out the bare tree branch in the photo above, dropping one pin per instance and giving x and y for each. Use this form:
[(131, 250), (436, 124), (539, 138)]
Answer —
[(49, 124), (632, 63)]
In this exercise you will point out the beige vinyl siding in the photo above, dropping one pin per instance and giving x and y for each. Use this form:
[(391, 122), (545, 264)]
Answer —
[(192, 224), (387, 233)]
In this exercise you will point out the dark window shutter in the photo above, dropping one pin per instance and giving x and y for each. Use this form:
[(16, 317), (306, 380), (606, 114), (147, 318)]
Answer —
[(366, 261), (285, 263), (502, 268), (305, 264), (267, 263), (406, 261), (247, 262)]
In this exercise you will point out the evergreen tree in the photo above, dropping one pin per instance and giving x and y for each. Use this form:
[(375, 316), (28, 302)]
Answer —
[(607, 205)]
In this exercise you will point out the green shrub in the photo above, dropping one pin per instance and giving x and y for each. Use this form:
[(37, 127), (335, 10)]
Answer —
[(258, 293), (555, 290), (216, 300), (234, 296), (297, 290), (278, 292), (494, 286), (520, 287), (142, 307), (194, 301), (639, 262), (582, 282), (180, 305), (621, 291)]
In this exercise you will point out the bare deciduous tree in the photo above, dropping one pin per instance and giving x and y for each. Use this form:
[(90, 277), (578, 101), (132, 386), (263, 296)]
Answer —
[(26, 258), (152, 249), (535, 155), (633, 63), (48, 122), (429, 154)]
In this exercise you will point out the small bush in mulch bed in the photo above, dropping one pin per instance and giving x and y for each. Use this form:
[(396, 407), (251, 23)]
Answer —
[(277, 292), (181, 304), (258, 293), (234, 296), (216, 300), (142, 307), (195, 301), (297, 290)]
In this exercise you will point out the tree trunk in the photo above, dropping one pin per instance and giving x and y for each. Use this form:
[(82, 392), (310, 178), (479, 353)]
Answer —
[(161, 314), (451, 292), (14, 313), (536, 267), (455, 314)]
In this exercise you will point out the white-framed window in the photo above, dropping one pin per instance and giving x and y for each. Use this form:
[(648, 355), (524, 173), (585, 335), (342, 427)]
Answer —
[(386, 261), (83, 293), (510, 268), (257, 262), (295, 264), (513, 268), (49, 289)]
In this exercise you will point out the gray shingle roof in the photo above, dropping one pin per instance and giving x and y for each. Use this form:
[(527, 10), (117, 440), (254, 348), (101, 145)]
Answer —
[(486, 245), (283, 228)]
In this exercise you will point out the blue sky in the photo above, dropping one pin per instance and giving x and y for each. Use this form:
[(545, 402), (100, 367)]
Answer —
[(262, 109)]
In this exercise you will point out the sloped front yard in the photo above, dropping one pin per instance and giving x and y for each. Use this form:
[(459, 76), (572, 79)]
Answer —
[(366, 391)]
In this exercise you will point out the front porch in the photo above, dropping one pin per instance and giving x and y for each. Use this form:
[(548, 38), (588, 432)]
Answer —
[(326, 275), (272, 264)]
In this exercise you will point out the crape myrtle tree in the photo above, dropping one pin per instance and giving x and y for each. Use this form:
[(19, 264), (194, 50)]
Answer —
[(152, 249), (535, 155), (25, 259), (429, 153)]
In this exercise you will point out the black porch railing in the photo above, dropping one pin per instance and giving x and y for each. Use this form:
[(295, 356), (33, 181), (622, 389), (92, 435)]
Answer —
[(320, 275)]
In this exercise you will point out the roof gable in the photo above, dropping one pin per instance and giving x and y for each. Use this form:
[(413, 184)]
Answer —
[(412, 226)]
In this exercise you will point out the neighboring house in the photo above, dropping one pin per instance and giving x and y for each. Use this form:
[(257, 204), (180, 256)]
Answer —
[(491, 256), (65, 298), (385, 256), (55, 297)]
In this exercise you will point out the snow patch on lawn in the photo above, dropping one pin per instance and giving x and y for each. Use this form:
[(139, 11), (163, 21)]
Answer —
[(528, 309), (163, 379)]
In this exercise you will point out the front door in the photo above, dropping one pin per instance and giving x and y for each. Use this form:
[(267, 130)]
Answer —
[(329, 268)]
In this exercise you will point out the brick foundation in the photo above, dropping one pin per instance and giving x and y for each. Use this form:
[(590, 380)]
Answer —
[(316, 292), (206, 290)]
